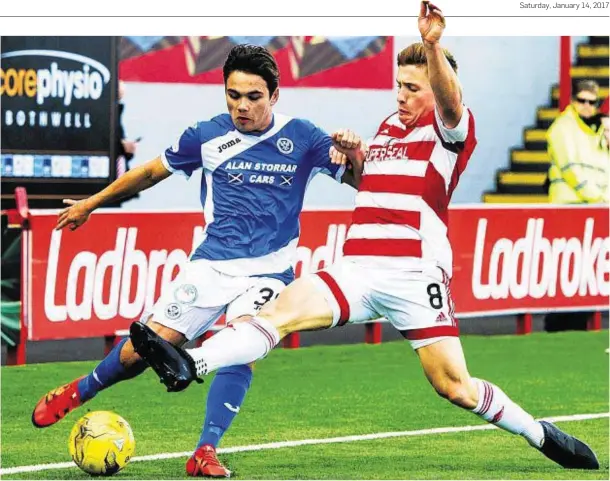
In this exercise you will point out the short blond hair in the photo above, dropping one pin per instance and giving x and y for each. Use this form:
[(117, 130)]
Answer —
[(415, 54)]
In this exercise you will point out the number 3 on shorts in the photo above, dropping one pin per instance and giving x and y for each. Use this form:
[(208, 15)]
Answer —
[(435, 296), (266, 294)]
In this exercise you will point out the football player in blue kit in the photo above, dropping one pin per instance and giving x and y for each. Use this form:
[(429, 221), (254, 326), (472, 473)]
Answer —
[(256, 167)]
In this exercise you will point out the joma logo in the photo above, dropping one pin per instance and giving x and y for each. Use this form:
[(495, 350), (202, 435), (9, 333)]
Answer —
[(230, 143)]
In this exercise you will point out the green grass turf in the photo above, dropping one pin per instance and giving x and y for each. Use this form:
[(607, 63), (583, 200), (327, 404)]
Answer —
[(331, 391)]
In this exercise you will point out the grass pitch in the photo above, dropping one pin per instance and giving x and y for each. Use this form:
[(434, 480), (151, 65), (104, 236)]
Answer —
[(332, 391)]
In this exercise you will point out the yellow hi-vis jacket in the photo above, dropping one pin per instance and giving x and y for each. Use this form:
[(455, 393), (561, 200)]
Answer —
[(580, 162)]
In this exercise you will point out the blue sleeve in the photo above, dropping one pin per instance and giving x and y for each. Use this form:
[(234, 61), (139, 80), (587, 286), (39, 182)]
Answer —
[(319, 147), (184, 156)]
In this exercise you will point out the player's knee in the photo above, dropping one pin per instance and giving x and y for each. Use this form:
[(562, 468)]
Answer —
[(454, 390), (277, 312), (282, 315), (299, 307)]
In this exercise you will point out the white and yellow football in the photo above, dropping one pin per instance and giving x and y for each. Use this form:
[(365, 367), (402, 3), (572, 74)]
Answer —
[(101, 443)]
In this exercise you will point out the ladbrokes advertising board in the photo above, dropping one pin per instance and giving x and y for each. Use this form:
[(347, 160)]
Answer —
[(509, 260), (99, 278), (58, 96)]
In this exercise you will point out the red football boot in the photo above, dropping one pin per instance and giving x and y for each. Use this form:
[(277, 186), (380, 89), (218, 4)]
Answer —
[(56, 404), (204, 463)]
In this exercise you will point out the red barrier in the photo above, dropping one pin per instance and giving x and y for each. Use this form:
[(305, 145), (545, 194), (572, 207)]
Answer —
[(95, 281), (372, 333), (565, 76), (292, 341), (594, 323)]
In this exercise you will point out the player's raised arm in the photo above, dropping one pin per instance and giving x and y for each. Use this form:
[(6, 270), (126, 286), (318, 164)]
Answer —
[(444, 81), (134, 181), (184, 156)]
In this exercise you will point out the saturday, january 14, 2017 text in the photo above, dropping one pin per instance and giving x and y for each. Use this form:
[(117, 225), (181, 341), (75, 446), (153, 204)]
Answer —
[(576, 6)]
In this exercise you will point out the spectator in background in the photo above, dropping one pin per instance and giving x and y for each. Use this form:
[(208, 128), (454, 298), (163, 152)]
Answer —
[(578, 148), (579, 155)]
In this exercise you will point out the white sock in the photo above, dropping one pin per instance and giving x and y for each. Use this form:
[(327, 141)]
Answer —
[(236, 344), (497, 408)]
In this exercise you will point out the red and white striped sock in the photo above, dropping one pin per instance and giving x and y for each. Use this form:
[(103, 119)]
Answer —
[(236, 344), (497, 408)]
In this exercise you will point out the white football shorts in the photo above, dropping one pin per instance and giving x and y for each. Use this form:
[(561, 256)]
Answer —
[(417, 302), (193, 302)]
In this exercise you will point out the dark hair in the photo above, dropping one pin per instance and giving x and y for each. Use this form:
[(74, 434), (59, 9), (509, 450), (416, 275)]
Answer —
[(255, 60), (416, 55)]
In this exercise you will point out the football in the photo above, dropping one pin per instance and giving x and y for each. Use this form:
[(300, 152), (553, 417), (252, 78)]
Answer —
[(101, 443)]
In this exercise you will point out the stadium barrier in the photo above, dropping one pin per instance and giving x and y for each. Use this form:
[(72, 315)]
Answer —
[(508, 259)]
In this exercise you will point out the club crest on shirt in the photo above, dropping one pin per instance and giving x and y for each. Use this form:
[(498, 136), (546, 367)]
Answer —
[(284, 145), (173, 311)]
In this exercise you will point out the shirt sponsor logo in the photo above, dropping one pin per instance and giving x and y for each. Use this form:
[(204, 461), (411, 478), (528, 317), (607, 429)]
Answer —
[(228, 144)]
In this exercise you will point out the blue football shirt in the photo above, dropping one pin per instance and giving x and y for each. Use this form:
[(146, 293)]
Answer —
[(252, 189)]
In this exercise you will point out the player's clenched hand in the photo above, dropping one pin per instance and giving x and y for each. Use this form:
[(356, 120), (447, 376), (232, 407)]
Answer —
[(346, 139), (431, 22), (75, 215), (347, 142)]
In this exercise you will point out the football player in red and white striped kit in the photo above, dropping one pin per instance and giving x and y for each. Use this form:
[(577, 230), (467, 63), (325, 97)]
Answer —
[(397, 258)]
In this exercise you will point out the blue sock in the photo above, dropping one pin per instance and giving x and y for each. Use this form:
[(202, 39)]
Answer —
[(108, 372), (226, 395)]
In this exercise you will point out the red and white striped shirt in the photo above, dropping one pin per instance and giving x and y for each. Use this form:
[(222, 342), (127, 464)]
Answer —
[(409, 176)]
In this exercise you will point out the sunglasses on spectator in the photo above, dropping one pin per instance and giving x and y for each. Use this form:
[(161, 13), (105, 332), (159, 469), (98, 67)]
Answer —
[(585, 101)]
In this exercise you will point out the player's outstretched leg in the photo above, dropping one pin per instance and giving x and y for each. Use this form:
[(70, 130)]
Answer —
[(121, 364), (445, 368), (299, 307)]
